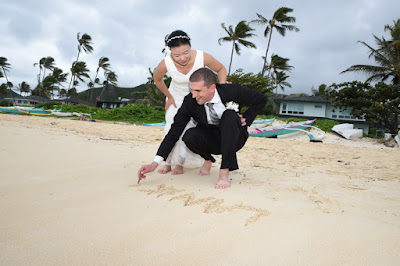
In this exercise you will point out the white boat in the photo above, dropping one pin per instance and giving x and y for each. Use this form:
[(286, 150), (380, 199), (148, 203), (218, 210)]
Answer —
[(397, 138), (348, 131)]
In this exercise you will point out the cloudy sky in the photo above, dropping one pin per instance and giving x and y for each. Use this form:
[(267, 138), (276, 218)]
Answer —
[(131, 34)]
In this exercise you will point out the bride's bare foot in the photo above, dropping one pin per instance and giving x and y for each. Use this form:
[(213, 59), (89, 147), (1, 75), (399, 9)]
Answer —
[(205, 168), (178, 170), (165, 169), (223, 180)]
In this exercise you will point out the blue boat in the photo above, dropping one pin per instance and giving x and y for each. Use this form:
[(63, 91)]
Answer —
[(154, 124), (263, 121)]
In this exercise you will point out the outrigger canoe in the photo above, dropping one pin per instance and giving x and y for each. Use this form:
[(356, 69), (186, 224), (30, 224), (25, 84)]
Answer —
[(263, 121), (274, 131), (154, 124), (9, 110)]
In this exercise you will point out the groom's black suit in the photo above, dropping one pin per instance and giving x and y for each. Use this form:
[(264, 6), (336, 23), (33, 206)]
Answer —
[(226, 138)]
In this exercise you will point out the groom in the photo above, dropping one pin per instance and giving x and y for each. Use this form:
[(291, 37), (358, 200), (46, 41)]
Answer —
[(219, 130)]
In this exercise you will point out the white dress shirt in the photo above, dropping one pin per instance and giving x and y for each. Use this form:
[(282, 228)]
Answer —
[(219, 108)]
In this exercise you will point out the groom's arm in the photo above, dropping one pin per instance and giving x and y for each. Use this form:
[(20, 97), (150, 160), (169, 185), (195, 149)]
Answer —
[(253, 99), (180, 121)]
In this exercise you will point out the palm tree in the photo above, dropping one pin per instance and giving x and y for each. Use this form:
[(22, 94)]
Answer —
[(387, 56), (278, 65), (40, 64), (323, 91), (237, 37), (24, 87), (395, 32), (152, 95), (3, 88), (280, 80), (103, 64), (5, 67), (53, 82), (79, 71), (277, 22), (111, 78), (85, 44), (48, 64)]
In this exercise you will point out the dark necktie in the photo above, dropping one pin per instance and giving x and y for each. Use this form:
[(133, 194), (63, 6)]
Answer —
[(213, 115)]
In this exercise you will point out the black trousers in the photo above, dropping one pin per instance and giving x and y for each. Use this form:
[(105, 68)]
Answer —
[(226, 139)]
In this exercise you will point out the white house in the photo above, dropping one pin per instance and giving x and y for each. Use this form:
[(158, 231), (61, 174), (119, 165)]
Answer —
[(317, 107)]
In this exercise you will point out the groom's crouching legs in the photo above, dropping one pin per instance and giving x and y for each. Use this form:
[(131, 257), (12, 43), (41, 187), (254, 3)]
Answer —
[(234, 136), (201, 141)]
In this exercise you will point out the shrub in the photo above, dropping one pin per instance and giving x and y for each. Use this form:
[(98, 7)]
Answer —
[(325, 124), (49, 105), (132, 113)]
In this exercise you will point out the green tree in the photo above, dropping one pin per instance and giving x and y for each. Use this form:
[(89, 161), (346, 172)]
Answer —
[(24, 87), (153, 95), (238, 37), (280, 78), (40, 64), (251, 80), (323, 91), (110, 78), (277, 66), (3, 89), (105, 66), (378, 104), (79, 71), (386, 55), (54, 81), (63, 93), (278, 22), (85, 44), (5, 67)]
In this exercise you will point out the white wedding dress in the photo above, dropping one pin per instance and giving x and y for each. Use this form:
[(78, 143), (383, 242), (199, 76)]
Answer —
[(179, 88)]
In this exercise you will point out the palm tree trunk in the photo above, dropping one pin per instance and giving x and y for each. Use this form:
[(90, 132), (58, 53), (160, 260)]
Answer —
[(72, 76), (230, 63), (5, 75), (266, 53), (91, 91), (273, 101)]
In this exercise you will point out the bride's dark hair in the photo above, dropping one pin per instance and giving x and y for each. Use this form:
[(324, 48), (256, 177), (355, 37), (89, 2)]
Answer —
[(177, 38)]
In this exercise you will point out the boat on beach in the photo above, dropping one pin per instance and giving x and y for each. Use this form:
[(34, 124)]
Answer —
[(154, 124), (274, 131), (9, 110), (263, 121), (347, 131)]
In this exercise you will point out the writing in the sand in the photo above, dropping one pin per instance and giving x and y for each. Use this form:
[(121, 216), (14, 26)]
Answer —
[(210, 204)]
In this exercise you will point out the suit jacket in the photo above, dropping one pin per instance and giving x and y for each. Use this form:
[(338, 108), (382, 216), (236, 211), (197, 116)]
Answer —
[(243, 96)]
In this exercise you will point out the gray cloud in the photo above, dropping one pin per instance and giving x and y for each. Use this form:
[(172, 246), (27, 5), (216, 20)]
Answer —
[(131, 34)]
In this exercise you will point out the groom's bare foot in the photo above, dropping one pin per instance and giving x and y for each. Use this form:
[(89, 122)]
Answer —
[(223, 180), (205, 168), (178, 170), (165, 169)]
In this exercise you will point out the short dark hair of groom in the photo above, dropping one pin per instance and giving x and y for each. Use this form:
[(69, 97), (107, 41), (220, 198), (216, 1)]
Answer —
[(204, 74)]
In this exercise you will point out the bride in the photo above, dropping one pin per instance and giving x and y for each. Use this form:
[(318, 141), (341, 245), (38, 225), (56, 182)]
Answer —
[(180, 64)]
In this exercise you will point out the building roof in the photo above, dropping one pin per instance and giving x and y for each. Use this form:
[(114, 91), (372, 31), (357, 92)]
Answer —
[(313, 99)]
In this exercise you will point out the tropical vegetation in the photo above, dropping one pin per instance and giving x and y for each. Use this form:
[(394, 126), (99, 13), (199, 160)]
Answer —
[(238, 37), (277, 22), (379, 103), (386, 55)]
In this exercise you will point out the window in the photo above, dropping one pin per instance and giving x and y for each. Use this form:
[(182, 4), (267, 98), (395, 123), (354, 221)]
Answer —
[(318, 106)]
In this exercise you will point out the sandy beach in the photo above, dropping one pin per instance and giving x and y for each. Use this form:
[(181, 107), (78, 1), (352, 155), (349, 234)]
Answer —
[(69, 196)]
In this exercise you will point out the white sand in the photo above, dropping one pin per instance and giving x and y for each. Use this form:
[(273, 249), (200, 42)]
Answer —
[(68, 196)]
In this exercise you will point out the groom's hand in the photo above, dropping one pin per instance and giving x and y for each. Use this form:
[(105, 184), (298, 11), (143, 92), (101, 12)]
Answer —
[(144, 169), (242, 120)]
